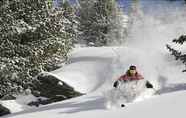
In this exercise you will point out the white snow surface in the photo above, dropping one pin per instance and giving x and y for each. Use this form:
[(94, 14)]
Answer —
[(168, 105), (93, 70), (20, 104)]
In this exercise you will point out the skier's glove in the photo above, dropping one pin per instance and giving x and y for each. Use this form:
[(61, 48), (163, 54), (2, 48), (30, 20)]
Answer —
[(116, 83), (148, 85)]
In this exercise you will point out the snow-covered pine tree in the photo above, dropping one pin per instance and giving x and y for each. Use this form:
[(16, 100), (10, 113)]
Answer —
[(33, 37), (178, 54), (95, 21), (118, 27)]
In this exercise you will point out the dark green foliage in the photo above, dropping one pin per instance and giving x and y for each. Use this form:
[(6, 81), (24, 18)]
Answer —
[(50, 87), (174, 52), (95, 21), (34, 37), (178, 54), (180, 40)]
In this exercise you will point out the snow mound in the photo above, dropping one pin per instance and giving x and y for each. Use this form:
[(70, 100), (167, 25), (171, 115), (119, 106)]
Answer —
[(95, 69)]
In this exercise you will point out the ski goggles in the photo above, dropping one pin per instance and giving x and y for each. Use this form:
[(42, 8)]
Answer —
[(132, 71)]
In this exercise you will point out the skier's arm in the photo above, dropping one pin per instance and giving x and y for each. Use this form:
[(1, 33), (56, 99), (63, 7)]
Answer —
[(140, 77), (123, 78), (148, 84), (116, 83)]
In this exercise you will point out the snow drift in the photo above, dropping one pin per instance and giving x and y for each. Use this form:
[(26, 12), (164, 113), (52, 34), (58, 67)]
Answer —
[(93, 71)]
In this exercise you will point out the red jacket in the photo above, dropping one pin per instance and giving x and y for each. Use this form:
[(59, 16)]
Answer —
[(128, 77)]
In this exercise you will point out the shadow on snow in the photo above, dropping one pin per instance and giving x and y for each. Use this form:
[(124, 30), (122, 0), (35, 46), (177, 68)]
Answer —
[(91, 103)]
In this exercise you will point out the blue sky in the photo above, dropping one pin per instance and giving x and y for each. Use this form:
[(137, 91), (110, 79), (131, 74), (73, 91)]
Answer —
[(58, 1), (150, 6), (145, 4)]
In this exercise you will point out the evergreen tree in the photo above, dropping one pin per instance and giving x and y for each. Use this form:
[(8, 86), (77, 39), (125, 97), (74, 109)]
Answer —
[(118, 28), (179, 55), (95, 21), (34, 37)]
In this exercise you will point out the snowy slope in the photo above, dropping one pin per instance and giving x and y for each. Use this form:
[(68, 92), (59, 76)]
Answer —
[(167, 105), (93, 71)]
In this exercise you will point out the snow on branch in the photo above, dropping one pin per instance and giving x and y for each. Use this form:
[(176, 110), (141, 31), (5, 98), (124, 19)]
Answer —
[(179, 55)]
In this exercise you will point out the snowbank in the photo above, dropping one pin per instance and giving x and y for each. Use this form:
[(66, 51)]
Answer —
[(167, 105)]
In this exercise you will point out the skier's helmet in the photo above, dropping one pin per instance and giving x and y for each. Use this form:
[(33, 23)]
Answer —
[(132, 70), (132, 67)]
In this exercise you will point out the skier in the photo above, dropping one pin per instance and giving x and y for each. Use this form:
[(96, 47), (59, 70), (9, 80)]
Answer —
[(131, 75), (133, 84)]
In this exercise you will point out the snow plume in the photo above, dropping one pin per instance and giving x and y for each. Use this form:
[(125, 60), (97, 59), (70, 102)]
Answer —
[(150, 29), (118, 28), (97, 68)]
